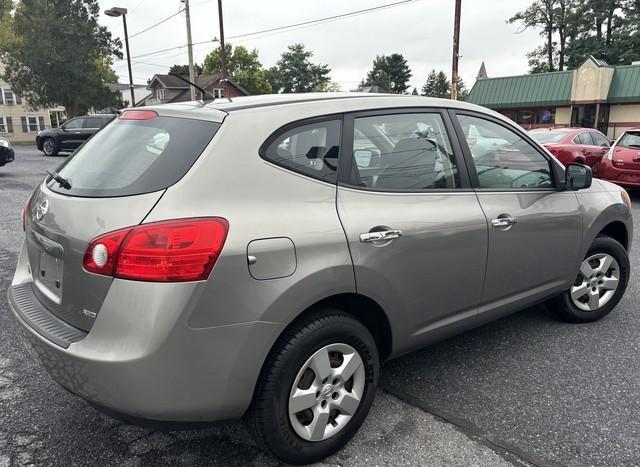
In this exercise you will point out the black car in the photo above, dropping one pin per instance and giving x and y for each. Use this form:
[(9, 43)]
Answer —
[(6, 151), (68, 136)]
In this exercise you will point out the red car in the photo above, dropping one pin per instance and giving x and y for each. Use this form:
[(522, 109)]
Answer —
[(583, 145), (622, 164)]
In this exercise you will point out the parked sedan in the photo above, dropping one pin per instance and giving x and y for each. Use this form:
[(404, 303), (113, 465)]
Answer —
[(70, 135), (261, 257), (6, 151), (622, 164), (581, 145)]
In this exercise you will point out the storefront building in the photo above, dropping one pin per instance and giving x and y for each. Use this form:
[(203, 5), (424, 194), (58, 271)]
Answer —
[(596, 95)]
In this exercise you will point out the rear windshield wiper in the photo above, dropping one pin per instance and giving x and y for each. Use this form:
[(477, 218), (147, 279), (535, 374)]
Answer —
[(63, 182), (204, 93)]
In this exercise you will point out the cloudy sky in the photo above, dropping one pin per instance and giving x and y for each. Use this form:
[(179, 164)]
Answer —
[(421, 30)]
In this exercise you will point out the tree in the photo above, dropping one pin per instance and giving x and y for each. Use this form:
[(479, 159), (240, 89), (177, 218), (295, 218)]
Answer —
[(575, 29), (63, 62), (184, 69), (437, 85), (390, 72), (540, 14), (243, 67), (295, 72)]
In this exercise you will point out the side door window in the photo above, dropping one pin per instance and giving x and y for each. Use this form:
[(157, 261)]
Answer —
[(584, 139), (311, 149), (74, 124), (600, 140), (92, 123), (502, 158), (403, 152)]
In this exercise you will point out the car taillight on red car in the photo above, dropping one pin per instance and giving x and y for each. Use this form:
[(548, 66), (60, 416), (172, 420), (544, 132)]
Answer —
[(168, 251)]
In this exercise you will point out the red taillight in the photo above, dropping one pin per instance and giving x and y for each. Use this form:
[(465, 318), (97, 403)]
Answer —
[(138, 115), (167, 251), (23, 214)]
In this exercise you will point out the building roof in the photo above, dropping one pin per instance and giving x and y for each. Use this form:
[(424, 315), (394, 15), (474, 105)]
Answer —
[(523, 91), (625, 85)]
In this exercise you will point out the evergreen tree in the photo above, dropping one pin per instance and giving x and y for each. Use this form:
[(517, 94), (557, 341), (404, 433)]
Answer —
[(390, 72)]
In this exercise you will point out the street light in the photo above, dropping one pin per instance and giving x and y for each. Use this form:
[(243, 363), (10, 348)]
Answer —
[(115, 12)]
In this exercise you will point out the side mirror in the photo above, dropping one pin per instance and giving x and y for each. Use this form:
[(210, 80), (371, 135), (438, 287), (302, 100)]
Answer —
[(578, 177), (362, 157)]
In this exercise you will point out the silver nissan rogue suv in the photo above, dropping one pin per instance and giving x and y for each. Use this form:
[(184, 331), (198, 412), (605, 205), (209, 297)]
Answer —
[(259, 257)]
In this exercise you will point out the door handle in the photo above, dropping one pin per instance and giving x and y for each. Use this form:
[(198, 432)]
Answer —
[(381, 236), (502, 222)]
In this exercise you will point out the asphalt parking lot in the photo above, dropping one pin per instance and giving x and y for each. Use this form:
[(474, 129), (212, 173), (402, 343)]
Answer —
[(523, 390)]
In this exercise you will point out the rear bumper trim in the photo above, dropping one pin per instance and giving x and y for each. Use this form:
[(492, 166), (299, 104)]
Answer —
[(28, 308)]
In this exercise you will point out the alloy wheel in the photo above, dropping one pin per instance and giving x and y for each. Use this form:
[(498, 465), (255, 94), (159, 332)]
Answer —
[(326, 392), (596, 283), (48, 147)]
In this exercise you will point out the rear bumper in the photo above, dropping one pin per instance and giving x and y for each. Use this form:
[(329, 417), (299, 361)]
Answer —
[(142, 360), (627, 178)]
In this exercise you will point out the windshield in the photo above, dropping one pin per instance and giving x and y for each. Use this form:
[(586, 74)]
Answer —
[(131, 157), (544, 137), (630, 140)]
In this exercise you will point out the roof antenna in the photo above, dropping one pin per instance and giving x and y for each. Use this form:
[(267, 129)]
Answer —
[(213, 98)]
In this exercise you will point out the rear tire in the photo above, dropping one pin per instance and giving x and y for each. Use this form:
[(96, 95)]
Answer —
[(599, 286), (50, 147), (302, 432)]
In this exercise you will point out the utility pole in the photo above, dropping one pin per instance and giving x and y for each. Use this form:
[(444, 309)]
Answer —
[(192, 77), (114, 13), (223, 58), (456, 51)]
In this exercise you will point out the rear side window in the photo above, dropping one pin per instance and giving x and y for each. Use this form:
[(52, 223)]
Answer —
[(93, 122), (131, 157), (600, 140), (310, 149)]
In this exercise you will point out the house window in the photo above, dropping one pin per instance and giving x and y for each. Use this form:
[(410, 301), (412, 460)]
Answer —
[(9, 97), (4, 128), (218, 93), (33, 124), (160, 94)]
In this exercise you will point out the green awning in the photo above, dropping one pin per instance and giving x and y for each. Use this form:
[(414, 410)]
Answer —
[(536, 90), (625, 86)]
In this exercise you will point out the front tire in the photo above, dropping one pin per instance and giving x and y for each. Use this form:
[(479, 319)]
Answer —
[(316, 388), (50, 147), (599, 286)]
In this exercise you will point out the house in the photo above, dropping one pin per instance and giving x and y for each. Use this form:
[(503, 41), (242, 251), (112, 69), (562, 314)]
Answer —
[(169, 88), (20, 123), (596, 95)]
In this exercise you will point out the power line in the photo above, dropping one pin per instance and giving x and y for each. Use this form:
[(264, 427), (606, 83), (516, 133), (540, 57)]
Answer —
[(290, 26), (156, 24)]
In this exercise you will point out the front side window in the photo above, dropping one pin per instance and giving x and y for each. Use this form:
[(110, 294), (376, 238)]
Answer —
[(403, 152), (546, 137), (502, 158), (311, 149)]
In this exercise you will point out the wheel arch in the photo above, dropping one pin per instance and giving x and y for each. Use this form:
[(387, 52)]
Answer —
[(618, 231)]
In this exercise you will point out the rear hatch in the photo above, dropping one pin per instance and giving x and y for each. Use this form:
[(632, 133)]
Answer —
[(626, 154), (116, 178)]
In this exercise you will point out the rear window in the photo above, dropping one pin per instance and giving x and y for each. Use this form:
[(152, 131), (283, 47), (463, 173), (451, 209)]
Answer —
[(630, 140), (544, 137), (132, 157)]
